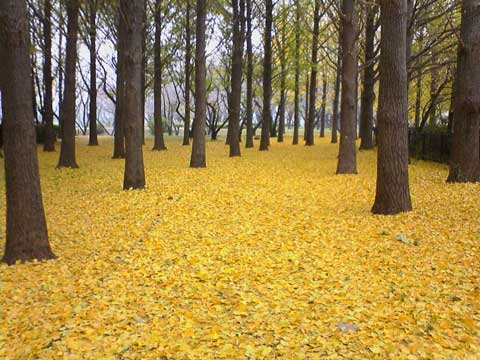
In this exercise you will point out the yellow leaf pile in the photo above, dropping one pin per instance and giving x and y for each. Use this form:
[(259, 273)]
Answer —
[(267, 256)]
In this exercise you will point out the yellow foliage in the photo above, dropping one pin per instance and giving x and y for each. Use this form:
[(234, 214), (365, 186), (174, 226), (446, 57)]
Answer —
[(258, 257)]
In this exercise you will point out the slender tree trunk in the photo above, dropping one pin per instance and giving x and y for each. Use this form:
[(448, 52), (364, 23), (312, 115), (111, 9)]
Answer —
[(465, 158), (368, 91), (324, 105), (188, 51), (433, 92), (418, 99), (310, 129), (336, 97), (26, 228), (347, 158), (249, 140), (159, 143), (236, 77), (198, 158), (50, 136), (132, 15), (61, 24), (392, 194), (283, 75), (307, 108), (144, 68), (119, 126), (267, 77), (296, 121), (67, 150), (92, 140)]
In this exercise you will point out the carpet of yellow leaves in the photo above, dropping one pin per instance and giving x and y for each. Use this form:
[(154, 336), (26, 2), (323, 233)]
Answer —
[(268, 256)]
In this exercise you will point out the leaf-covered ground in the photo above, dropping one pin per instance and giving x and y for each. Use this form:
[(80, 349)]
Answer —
[(268, 256)]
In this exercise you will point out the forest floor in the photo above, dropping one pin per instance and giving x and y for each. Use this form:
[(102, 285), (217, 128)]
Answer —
[(267, 256)]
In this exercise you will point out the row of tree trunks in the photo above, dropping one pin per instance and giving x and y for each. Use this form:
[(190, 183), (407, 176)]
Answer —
[(347, 161), (465, 159), (267, 77), (198, 158), (26, 228)]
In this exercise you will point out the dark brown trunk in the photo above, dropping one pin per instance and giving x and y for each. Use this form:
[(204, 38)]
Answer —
[(188, 51), (159, 143), (92, 117), (368, 91), (465, 158), (26, 228), (198, 158), (392, 193), (267, 77), (60, 69), (236, 77), (144, 67), (307, 108), (249, 140), (50, 137), (296, 121), (336, 96), (324, 105), (347, 158), (310, 128), (67, 150), (119, 126), (132, 16)]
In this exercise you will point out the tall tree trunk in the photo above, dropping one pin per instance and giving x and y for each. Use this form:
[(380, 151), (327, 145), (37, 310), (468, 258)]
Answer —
[(465, 158), (144, 68), (132, 20), (283, 75), (296, 121), (347, 157), (119, 126), (324, 105), (236, 77), (368, 91), (267, 77), (198, 158), (336, 96), (92, 117), (307, 108), (67, 150), (188, 51), (310, 128), (50, 137), (392, 193), (60, 69), (249, 140), (159, 143), (27, 237)]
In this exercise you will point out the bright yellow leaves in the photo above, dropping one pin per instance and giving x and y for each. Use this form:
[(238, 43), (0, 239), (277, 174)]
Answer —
[(270, 256)]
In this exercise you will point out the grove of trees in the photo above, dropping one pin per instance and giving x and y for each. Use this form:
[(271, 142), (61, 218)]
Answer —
[(361, 69)]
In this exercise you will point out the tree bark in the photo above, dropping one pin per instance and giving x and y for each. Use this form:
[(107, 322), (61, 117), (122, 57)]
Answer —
[(336, 97), (392, 192), (119, 126), (236, 77), (26, 228), (198, 158), (92, 117), (324, 105), (132, 15), (67, 150), (249, 110), (347, 158), (50, 137), (368, 91), (309, 129), (465, 158), (296, 121), (188, 51), (267, 78), (159, 143)]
